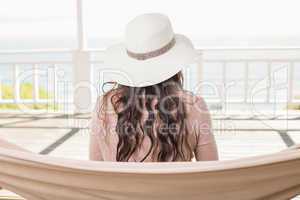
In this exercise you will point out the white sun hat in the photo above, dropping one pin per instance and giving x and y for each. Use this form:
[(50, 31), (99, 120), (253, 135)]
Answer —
[(150, 54)]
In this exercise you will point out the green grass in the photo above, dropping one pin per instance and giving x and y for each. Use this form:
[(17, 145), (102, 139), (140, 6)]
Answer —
[(26, 92), (294, 106)]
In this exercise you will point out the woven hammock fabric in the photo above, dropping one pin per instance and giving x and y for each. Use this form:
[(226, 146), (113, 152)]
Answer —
[(37, 177)]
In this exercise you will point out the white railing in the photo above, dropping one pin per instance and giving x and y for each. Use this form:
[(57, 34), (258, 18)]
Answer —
[(85, 64), (42, 64), (35, 85), (277, 62)]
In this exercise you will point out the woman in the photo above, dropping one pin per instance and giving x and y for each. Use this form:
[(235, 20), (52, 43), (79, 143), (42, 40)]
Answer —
[(147, 116)]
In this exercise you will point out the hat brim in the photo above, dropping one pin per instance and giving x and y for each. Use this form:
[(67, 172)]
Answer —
[(140, 73)]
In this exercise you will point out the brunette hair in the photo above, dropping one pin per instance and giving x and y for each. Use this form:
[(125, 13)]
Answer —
[(164, 123)]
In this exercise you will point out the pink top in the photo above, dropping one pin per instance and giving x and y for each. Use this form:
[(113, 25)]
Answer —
[(104, 139)]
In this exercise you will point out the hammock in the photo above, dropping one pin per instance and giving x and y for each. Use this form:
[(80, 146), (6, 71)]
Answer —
[(37, 177)]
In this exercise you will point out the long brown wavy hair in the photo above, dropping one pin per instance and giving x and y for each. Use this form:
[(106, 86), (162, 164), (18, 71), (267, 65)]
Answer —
[(163, 124)]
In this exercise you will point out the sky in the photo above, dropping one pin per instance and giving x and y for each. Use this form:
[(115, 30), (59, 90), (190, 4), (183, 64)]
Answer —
[(53, 22)]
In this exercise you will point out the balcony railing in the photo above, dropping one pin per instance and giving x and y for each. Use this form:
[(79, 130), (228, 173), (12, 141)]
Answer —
[(274, 69), (224, 75)]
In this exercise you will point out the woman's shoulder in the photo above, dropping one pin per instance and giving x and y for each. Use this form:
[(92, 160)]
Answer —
[(192, 100), (195, 106), (198, 116), (105, 104)]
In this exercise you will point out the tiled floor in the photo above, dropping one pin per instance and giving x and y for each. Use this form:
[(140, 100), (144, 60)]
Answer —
[(68, 135)]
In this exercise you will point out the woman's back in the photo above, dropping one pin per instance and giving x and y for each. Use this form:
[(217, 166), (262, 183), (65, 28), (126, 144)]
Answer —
[(199, 139)]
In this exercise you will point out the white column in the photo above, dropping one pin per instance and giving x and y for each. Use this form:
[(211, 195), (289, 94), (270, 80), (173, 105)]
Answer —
[(81, 82), (80, 28), (81, 69)]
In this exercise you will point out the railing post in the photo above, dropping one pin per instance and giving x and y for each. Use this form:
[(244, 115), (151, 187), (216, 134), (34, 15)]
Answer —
[(291, 82), (16, 82), (224, 86), (200, 67), (35, 83), (55, 93), (269, 86), (246, 82), (82, 82)]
